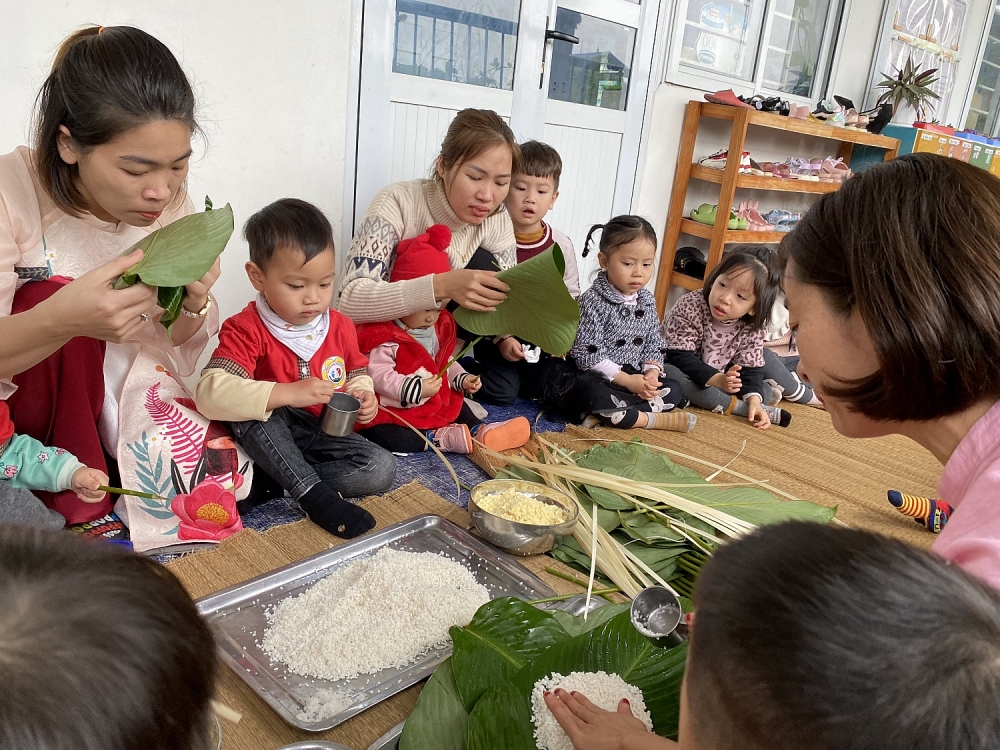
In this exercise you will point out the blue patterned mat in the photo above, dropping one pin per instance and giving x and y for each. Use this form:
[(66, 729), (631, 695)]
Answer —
[(425, 467)]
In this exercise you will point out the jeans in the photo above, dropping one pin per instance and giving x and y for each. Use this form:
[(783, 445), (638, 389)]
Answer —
[(292, 449), (711, 398)]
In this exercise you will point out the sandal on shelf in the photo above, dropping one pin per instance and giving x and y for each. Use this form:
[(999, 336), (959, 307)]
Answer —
[(835, 169), (798, 111), (757, 223), (802, 169), (878, 118), (705, 214), (727, 97)]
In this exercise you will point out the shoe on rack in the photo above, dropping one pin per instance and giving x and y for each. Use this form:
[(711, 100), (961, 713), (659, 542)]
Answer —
[(720, 159), (705, 214), (881, 118), (729, 97)]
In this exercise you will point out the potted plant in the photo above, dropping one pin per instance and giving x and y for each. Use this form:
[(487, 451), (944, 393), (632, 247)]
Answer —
[(909, 89)]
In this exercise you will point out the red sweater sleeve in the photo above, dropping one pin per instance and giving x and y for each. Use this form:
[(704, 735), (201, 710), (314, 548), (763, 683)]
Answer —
[(240, 344)]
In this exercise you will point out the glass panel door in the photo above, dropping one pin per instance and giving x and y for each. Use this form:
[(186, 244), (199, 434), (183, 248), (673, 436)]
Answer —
[(595, 70), (464, 41), (722, 38)]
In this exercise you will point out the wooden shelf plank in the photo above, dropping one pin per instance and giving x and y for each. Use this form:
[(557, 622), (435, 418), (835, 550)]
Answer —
[(708, 174), (688, 282), (690, 226), (794, 125)]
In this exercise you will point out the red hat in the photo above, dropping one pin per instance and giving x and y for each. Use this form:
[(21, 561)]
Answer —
[(422, 255)]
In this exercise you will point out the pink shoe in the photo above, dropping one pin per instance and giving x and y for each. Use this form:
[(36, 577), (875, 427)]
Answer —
[(455, 438)]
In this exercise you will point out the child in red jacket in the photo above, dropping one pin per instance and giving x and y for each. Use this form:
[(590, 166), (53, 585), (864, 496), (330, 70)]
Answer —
[(404, 359)]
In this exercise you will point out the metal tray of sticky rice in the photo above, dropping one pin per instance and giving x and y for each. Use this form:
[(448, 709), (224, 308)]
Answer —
[(238, 616)]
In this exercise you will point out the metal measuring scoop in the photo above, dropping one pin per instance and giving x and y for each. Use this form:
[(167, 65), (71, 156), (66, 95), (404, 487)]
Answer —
[(656, 613)]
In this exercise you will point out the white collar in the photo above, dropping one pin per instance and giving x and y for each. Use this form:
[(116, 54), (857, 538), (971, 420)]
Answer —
[(305, 340)]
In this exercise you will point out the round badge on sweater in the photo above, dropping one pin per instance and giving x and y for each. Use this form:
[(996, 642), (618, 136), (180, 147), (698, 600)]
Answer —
[(335, 371)]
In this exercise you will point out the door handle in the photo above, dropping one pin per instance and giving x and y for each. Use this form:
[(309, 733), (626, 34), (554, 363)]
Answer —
[(561, 36)]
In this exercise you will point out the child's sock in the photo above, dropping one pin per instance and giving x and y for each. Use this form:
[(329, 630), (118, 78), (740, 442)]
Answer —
[(502, 436), (929, 512), (332, 513), (454, 438), (777, 393), (778, 416), (676, 421)]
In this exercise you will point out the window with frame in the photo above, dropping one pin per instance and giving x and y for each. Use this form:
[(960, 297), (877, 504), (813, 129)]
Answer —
[(984, 103), (777, 47)]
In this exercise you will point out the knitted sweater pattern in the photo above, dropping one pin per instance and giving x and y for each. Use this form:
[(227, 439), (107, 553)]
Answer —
[(402, 211), (610, 329)]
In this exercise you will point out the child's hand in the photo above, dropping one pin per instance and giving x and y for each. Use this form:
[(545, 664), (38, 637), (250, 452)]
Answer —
[(638, 385), (511, 349), (430, 386), (85, 483), (593, 728), (652, 378), (472, 385), (303, 393), (369, 405), (757, 415)]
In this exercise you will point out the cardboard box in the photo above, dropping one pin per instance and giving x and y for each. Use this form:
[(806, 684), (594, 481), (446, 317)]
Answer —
[(995, 164)]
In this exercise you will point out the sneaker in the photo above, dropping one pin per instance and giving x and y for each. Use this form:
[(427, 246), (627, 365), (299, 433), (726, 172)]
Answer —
[(455, 438), (778, 416), (502, 436), (719, 159)]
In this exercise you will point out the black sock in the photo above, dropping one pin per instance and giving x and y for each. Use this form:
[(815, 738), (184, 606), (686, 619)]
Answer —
[(328, 510)]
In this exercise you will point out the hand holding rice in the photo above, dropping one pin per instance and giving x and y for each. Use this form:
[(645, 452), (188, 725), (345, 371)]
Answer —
[(602, 689)]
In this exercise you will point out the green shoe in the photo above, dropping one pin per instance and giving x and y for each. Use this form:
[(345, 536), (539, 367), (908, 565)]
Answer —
[(737, 222), (704, 214)]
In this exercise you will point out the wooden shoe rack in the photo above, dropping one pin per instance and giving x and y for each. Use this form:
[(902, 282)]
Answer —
[(729, 180)]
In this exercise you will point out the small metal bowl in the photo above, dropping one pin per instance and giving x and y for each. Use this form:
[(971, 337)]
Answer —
[(521, 538)]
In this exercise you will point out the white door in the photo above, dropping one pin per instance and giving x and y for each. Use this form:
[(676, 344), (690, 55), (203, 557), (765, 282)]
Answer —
[(423, 61)]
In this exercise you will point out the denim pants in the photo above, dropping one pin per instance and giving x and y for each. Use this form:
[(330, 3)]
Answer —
[(298, 455)]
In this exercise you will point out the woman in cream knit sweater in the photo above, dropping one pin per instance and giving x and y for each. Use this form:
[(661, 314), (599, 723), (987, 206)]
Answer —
[(471, 180)]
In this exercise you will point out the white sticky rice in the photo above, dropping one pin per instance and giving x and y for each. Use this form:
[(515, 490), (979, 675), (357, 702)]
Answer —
[(383, 611), (602, 689)]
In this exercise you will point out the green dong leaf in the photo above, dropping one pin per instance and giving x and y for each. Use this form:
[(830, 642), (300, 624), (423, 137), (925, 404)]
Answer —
[(439, 719), (504, 635), (538, 307)]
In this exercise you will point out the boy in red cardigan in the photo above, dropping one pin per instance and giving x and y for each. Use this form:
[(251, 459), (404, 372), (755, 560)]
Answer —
[(283, 357), (404, 359)]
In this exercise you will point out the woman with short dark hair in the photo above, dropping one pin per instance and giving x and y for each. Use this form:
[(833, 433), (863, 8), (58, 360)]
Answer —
[(893, 288)]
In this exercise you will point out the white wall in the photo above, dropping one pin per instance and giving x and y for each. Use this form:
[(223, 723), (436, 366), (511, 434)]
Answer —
[(271, 84)]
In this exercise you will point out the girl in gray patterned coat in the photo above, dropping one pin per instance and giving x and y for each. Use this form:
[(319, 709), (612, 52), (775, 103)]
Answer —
[(618, 350), (715, 338)]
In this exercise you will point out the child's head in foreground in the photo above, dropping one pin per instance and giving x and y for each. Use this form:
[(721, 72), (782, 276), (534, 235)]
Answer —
[(292, 261), (626, 252), (810, 636), (99, 648), (744, 286), (534, 187)]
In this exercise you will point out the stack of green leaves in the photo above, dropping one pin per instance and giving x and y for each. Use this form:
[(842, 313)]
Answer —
[(677, 545), (480, 698), (179, 254), (538, 307)]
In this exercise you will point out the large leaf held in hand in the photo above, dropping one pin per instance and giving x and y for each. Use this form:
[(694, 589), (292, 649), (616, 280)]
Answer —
[(181, 252), (504, 635), (538, 307)]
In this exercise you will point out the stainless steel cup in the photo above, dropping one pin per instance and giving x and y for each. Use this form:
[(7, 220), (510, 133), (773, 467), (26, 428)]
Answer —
[(656, 613), (339, 415)]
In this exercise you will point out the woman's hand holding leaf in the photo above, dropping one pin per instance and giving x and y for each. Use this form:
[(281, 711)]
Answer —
[(197, 293), (90, 306), (593, 728), (475, 290)]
